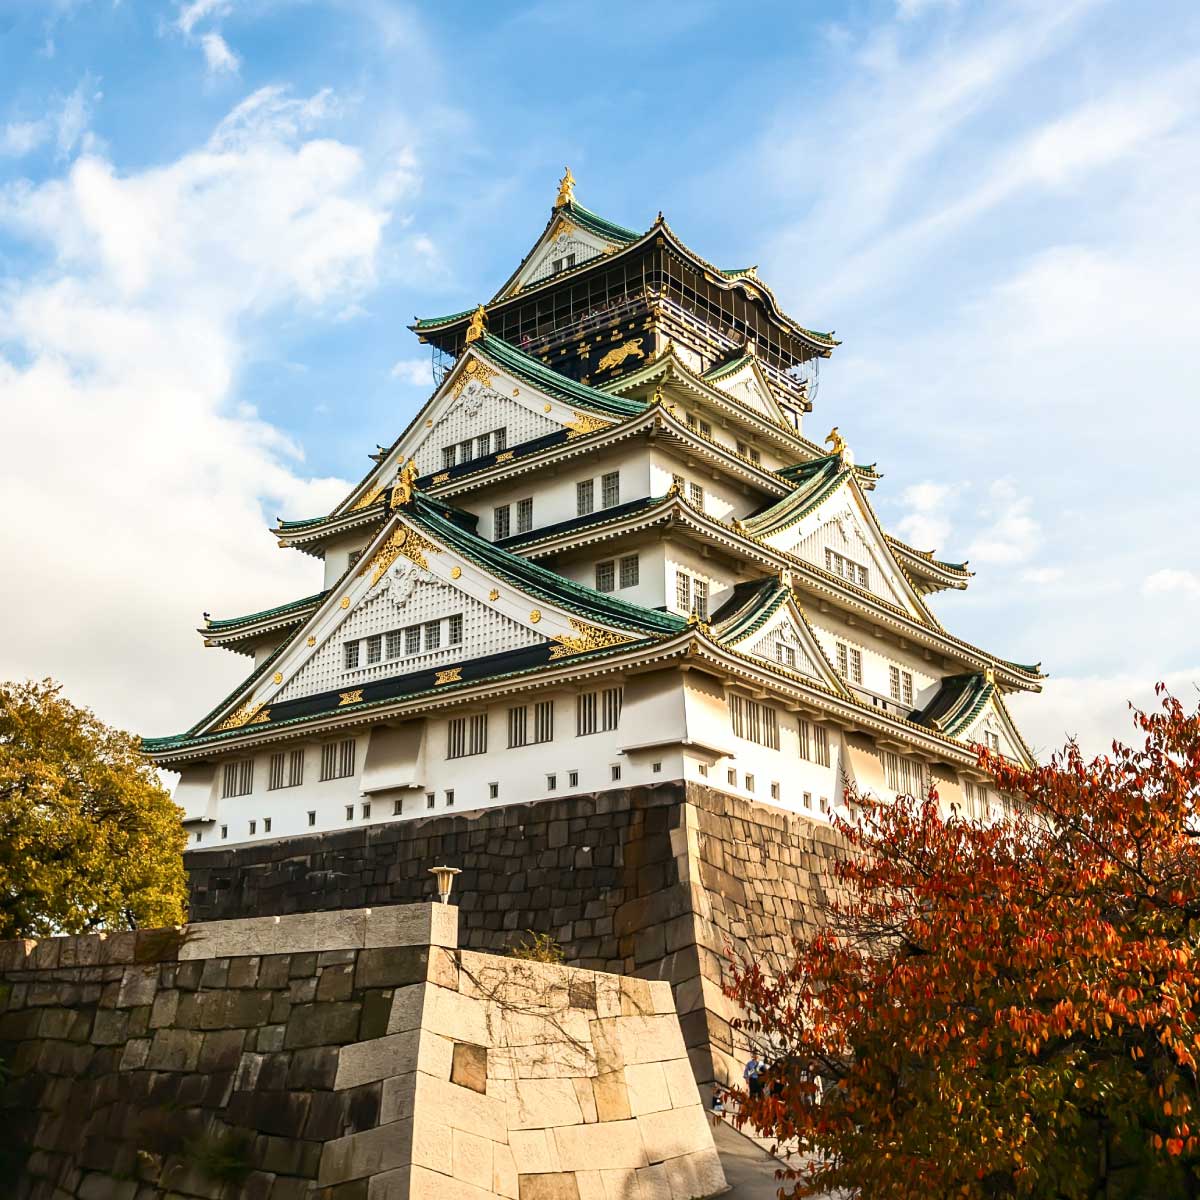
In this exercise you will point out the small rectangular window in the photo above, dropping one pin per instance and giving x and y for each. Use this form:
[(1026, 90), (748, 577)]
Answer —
[(855, 665), (430, 800), (397, 807), (572, 779), (224, 831), (677, 482), (501, 522), (433, 635), (825, 804), (629, 571), (705, 428), (395, 643), (543, 721), (610, 489), (253, 826), (351, 655), (518, 727), (312, 817), (731, 777), (524, 515), (807, 800), (483, 445), (501, 438), (616, 771), (199, 835), (821, 745), (584, 497), (449, 794), (843, 659), (349, 812), (696, 495), (455, 629), (266, 824), (374, 648), (551, 782), (703, 769), (493, 791), (606, 576), (683, 592), (906, 681), (785, 654), (894, 682), (465, 450), (656, 768), (447, 457), (700, 598), (337, 760), (412, 640), (366, 810), (749, 782)]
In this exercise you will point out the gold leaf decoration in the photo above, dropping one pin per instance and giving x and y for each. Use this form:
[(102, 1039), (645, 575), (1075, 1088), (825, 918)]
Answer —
[(455, 572), (441, 477), (312, 641), (261, 719), (345, 601), (277, 677), (403, 541), (453, 675), (535, 616), (493, 594), (370, 498), (473, 370), (504, 456), (242, 716), (587, 637), (354, 697), (585, 423), (614, 358)]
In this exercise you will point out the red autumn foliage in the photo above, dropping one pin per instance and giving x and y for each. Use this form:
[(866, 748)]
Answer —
[(1002, 1009)]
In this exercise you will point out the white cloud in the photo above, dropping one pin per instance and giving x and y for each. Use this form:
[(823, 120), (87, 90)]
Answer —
[(1172, 581), (20, 137), (1010, 534), (121, 438), (910, 10), (66, 126), (413, 371), (191, 14), (926, 525), (217, 55)]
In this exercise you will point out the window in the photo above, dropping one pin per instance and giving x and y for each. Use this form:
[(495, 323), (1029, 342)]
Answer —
[(483, 445), (731, 777), (551, 782), (616, 772), (805, 740), (337, 760), (253, 826), (705, 429), (848, 569), (464, 450), (524, 515), (572, 779), (374, 648), (825, 804), (287, 770), (500, 522), (807, 800), (656, 768), (397, 807), (606, 576), (275, 775), (584, 497), (447, 457), (785, 654), (266, 824), (493, 791), (820, 745), (700, 598), (906, 681), (433, 635), (749, 452), (199, 834), (239, 778), (349, 812), (543, 721), (849, 661), (991, 741), (394, 643), (467, 736), (610, 489), (677, 483), (683, 592), (430, 800), (312, 816), (900, 685), (543, 724), (518, 732), (753, 721), (703, 769), (455, 630), (749, 782), (904, 775), (595, 711), (501, 436), (456, 737), (629, 571), (412, 640), (449, 794), (366, 810), (774, 790), (696, 495), (894, 682), (351, 655)]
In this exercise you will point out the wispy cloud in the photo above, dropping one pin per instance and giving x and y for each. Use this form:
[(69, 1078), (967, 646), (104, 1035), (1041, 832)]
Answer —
[(217, 54), (64, 125)]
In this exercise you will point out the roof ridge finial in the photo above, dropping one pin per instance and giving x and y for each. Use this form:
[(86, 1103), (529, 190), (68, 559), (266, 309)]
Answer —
[(566, 189), (477, 328), (405, 485)]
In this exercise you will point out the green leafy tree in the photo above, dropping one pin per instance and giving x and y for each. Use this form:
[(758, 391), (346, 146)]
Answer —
[(89, 838)]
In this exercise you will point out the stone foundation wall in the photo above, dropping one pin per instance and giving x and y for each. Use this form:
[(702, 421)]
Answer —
[(648, 881), (354, 1055)]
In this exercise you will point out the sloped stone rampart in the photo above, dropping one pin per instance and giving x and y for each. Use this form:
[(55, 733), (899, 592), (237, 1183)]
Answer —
[(650, 881), (348, 1055)]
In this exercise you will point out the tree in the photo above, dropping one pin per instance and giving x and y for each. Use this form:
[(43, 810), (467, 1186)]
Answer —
[(89, 838), (1004, 1009)]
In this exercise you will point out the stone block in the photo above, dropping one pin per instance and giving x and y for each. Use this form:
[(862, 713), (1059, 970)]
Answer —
[(322, 1024), (674, 1132), (361, 1155), (429, 1185), (620, 1184), (312, 1067), (558, 1186), (647, 1086), (412, 925), (468, 1067), (586, 1097), (391, 966), (472, 1158), (407, 1005), (654, 1183), (432, 1142), (397, 1097), (243, 972), (543, 1104), (681, 1083), (336, 982), (612, 1096), (174, 1050), (534, 1151), (365, 1062), (455, 1016), (135, 1054), (376, 1013), (139, 985), (462, 1108), (591, 1186), (436, 1055), (693, 1175), (221, 1050), (504, 1172), (649, 1039), (599, 1146)]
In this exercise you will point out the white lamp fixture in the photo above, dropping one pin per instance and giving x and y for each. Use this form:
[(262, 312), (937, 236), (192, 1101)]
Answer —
[(445, 881)]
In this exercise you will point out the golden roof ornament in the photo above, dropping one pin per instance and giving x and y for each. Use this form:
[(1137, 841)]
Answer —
[(405, 485), (989, 675), (837, 446), (566, 189), (478, 327)]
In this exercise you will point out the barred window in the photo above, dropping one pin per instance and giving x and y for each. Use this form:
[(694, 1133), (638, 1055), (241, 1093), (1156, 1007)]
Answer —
[(610, 489), (395, 643), (467, 736), (374, 648), (287, 770), (696, 495), (894, 682), (821, 745), (412, 640), (524, 515), (350, 650), (337, 760), (447, 457), (543, 721), (754, 721), (501, 526), (847, 568), (455, 629), (906, 681), (855, 665), (706, 429), (464, 450), (700, 598), (483, 445), (804, 744), (849, 661), (518, 731), (785, 654), (433, 635), (584, 497), (904, 775), (501, 436), (239, 778), (596, 711), (606, 576), (629, 571), (683, 592)]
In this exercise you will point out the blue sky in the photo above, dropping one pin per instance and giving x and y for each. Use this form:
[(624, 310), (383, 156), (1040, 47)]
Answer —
[(217, 217)]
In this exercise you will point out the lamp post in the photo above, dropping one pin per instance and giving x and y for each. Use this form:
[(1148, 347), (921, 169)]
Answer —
[(445, 881)]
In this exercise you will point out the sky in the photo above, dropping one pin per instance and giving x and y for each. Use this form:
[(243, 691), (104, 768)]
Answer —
[(217, 218)]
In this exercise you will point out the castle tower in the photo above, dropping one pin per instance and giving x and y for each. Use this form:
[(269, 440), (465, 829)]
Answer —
[(603, 555)]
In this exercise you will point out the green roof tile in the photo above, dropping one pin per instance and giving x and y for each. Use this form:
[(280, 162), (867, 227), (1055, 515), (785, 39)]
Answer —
[(278, 611)]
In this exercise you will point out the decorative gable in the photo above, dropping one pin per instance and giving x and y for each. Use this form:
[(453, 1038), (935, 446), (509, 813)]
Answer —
[(747, 386), (995, 730), (563, 246)]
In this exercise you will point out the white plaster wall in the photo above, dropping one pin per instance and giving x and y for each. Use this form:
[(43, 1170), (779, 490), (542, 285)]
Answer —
[(684, 555), (723, 498), (337, 553), (581, 568)]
